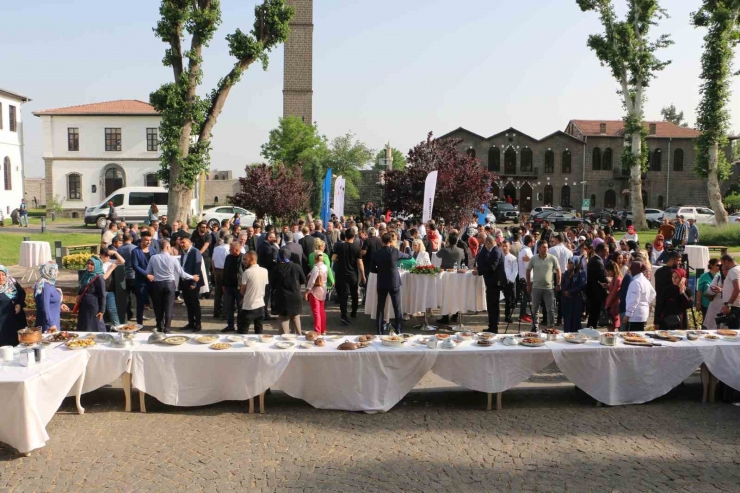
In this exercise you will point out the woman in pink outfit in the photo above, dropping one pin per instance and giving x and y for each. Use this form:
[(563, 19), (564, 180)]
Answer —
[(316, 293)]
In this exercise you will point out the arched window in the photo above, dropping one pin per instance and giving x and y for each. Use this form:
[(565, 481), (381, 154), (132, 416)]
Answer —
[(74, 186), (471, 152), (215, 199), (610, 199), (655, 161), (566, 161), (596, 159), (526, 159), (606, 159), (565, 196), (593, 200), (660, 202), (678, 160), (113, 178), (494, 159), (150, 180), (548, 194), (7, 174), (510, 161), (549, 162)]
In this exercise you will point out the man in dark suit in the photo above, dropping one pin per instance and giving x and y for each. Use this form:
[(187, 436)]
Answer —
[(308, 244), (385, 264), (267, 255), (139, 261), (296, 252), (596, 284), (664, 279), (191, 261), (490, 262)]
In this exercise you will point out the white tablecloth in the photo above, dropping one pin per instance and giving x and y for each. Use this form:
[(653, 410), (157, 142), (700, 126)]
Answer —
[(723, 360), (493, 369), (106, 365), (34, 253), (626, 374), (29, 397), (462, 293), (372, 379), (698, 256), (192, 374)]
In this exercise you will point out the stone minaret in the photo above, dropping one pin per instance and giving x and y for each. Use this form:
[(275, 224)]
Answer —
[(298, 72)]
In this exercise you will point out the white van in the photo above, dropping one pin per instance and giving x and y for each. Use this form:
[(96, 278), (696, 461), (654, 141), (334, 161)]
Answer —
[(132, 205)]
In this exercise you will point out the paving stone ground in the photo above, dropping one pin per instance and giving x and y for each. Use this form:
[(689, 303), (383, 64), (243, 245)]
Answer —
[(549, 437)]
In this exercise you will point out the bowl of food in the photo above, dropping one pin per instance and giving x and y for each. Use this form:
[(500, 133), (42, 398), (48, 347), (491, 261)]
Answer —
[(608, 339), (442, 337), (235, 338), (320, 342), (250, 342), (692, 336), (532, 342), (392, 341), (80, 343), (29, 335), (288, 337), (575, 338), (486, 335), (312, 335), (206, 339), (284, 345), (464, 336), (266, 338)]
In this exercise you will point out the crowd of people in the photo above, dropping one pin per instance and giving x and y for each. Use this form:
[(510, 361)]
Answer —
[(264, 272)]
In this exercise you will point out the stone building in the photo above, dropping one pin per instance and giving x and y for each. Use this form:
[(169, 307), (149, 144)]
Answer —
[(584, 161), (219, 185), (35, 188), (298, 70)]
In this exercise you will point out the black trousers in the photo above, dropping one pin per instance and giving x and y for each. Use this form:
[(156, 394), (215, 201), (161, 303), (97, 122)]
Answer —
[(493, 302), (192, 303), (142, 299), (163, 296), (595, 304), (558, 302), (510, 299), (246, 317), (395, 295), (346, 287), (131, 293), (268, 298), (230, 303)]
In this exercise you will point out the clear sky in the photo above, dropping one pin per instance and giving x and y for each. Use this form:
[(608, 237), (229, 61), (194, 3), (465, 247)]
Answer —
[(387, 70)]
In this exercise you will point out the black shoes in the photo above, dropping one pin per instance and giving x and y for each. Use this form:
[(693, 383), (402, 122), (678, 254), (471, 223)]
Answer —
[(346, 321), (228, 329)]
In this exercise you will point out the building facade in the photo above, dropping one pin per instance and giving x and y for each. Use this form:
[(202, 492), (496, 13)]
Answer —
[(219, 186), (92, 150), (11, 150), (584, 162), (35, 188), (298, 68)]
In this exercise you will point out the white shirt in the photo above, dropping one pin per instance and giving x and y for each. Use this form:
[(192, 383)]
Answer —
[(219, 255), (525, 252), (511, 266), (629, 237), (732, 275), (640, 295), (562, 254), (255, 279), (422, 258), (297, 236), (422, 230)]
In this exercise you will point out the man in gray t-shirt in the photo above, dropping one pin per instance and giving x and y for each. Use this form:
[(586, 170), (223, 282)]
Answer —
[(543, 278), (451, 254)]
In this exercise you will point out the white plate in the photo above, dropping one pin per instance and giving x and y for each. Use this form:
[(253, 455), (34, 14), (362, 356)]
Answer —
[(288, 337), (235, 338), (306, 345), (250, 342), (332, 337), (529, 344), (284, 345), (732, 338)]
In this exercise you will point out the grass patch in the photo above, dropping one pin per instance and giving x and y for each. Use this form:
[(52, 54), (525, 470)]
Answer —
[(10, 242)]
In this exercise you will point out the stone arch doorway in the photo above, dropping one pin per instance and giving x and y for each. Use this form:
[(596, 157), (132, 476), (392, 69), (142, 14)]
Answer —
[(610, 199), (525, 198), (113, 178), (509, 191)]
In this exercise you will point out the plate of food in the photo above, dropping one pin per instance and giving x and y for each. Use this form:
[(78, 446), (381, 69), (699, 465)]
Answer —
[(220, 346), (392, 341), (288, 337), (206, 339), (711, 337), (464, 336), (442, 337), (486, 335), (80, 343), (732, 338), (529, 334), (630, 334), (366, 338), (575, 338), (266, 338), (60, 336), (235, 338), (485, 342), (284, 344), (727, 332), (305, 345), (175, 340), (332, 337), (532, 342)]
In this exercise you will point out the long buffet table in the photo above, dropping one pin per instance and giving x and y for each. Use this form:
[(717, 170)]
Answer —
[(372, 379)]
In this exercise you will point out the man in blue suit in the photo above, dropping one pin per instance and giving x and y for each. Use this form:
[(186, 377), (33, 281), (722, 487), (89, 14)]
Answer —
[(490, 262), (139, 261), (385, 265), (191, 261)]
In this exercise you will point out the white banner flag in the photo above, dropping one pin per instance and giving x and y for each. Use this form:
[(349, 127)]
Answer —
[(430, 186), (339, 186)]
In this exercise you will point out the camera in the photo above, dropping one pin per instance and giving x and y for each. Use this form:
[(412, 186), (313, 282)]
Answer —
[(731, 320)]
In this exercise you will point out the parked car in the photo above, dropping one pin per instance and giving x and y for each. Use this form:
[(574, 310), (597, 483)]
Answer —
[(215, 215), (560, 220), (702, 215), (503, 211), (132, 204), (654, 214), (538, 219), (538, 210), (735, 217)]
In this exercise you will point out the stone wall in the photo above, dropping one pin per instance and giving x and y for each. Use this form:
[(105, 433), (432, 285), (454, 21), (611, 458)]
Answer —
[(35, 187), (219, 189), (298, 70), (368, 190)]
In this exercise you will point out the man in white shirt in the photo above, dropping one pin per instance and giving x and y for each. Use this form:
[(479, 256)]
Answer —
[(253, 284), (730, 290), (525, 254), (562, 253), (511, 267), (219, 257)]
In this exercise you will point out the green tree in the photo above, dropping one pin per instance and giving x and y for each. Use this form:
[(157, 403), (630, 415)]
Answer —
[(399, 160), (722, 20), (671, 114), (188, 119), (295, 143), (347, 157), (627, 50)]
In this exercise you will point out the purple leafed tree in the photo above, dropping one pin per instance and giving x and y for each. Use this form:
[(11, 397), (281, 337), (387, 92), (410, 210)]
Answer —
[(463, 184), (273, 190)]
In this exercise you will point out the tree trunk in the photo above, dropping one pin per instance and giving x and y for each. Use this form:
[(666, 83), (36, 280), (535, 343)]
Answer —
[(178, 207), (713, 190), (638, 208)]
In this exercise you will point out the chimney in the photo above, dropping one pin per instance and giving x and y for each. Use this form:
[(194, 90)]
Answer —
[(653, 129), (602, 128)]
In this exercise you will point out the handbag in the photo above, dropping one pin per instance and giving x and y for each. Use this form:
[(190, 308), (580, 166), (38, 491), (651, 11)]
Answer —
[(672, 322), (76, 308)]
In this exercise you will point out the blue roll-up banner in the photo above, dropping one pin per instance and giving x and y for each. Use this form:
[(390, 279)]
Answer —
[(326, 197), (482, 215)]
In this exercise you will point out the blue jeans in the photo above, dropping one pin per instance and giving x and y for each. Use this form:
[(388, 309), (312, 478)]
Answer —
[(111, 308), (23, 217), (142, 298)]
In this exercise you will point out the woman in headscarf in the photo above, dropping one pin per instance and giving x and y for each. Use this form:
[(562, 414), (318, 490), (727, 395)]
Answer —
[(288, 278), (48, 298), (631, 235), (91, 298), (473, 246), (673, 299), (658, 247), (574, 282), (640, 295), (12, 302)]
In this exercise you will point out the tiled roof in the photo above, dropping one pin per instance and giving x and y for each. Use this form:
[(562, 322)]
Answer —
[(615, 128), (120, 107)]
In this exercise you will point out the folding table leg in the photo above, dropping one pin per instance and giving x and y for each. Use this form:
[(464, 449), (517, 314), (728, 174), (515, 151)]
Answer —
[(705, 377), (713, 381), (142, 403), (251, 405), (126, 381), (262, 403), (78, 393), (499, 405), (498, 401)]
